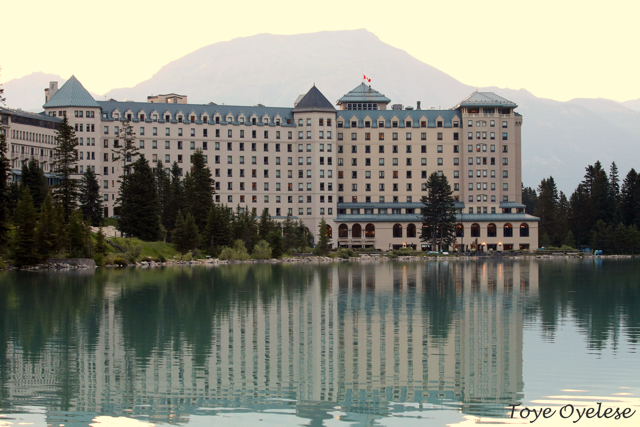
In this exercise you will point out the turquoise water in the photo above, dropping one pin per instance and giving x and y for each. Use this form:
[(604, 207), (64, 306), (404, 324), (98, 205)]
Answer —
[(389, 343)]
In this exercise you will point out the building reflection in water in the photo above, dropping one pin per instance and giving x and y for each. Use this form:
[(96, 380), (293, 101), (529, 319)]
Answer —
[(358, 336)]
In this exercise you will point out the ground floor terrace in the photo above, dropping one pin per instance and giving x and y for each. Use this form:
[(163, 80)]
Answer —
[(482, 232)]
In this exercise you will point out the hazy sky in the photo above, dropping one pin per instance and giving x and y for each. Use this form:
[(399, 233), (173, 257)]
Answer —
[(557, 49)]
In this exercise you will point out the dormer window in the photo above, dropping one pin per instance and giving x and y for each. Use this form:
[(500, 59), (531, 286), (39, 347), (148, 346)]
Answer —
[(179, 119), (141, 117), (116, 116), (277, 122), (253, 120), (193, 118)]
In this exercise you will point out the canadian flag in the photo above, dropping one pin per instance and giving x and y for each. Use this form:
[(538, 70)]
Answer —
[(365, 77)]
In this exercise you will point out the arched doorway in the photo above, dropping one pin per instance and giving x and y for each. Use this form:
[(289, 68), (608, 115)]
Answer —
[(343, 231), (397, 230), (524, 230), (411, 230), (370, 231), (475, 230), (356, 231), (459, 230), (492, 230)]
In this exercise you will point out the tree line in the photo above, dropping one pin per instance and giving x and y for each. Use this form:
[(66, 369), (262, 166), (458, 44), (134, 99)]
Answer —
[(601, 213)]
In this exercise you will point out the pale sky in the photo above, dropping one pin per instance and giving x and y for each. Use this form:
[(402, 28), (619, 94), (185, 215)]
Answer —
[(556, 49)]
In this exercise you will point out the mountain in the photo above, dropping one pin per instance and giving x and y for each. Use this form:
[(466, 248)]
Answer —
[(559, 138), (633, 104), (274, 70), (27, 92)]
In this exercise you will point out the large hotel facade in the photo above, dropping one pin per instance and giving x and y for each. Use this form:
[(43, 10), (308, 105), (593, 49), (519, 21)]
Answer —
[(362, 166)]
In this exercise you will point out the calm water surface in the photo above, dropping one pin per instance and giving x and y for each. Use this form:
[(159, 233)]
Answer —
[(390, 343)]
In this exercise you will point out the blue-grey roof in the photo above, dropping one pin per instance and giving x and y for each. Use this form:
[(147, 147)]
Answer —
[(314, 100), (108, 107), (418, 218), (511, 205), (396, 205), (71, 94), (34, 116), (485, 99), (363, 93), (416, 116)]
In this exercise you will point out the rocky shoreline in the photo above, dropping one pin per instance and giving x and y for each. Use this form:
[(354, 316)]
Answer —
[(212, 262)]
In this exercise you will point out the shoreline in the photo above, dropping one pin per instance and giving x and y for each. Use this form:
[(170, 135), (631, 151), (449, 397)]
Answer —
[(214, 262)]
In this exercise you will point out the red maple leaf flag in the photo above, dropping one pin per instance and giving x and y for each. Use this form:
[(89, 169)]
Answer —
[(367, 79)]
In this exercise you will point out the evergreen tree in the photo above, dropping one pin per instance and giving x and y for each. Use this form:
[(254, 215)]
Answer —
[(90, 200), (614, 192), (266, 225), (176, 197), (529, 199), (218, 232), (276, 243), (288, 233), (548, 210), (438, 212), (80, 245), (24, 244), (33, 177), (66, 156), (580, 215), (13, 195), (48, 230), (191, 236), (101, 248), (5, 170), (569, 240), (125, 151), (596, 183), (630, 199), (178, 233), (322, 248), (138, 202), (564, 213), (201, 190), (245, 227), (161, 186)]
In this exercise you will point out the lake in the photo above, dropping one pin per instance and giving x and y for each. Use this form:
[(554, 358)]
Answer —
[(352, 343)]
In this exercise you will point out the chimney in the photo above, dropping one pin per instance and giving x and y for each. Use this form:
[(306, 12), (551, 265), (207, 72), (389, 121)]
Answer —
[(417, 105), (50, 91)]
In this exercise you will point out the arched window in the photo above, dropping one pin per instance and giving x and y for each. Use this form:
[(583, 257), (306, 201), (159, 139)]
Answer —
[(411, 230), (397, 230), (459, 230), (475, 230), (356, 231), (343, 231), (491, 230), (508, 230), (524, 230), (370, 231), (329, 231)]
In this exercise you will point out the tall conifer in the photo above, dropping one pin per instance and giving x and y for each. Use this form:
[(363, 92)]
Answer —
[(66, 157), (90, 201)]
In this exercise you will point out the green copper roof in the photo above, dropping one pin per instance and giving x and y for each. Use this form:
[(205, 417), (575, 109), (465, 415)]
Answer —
[(485, 99), (71, 94), (364, 93), (314, 100), (418, 218)]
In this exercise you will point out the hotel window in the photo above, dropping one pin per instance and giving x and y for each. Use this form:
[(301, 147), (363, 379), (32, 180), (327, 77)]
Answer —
[(167, 145), (230, 133), (504, 136), (505, 161), (354, 136), (470, 123), (504, 124), (394, 136), (456, 161), (470, 160), (505, 174), (470, 135), (505, 187), (493, 186), (409, 161), (439, 136), (423, 161), (470, 174), (408, 136), (423, 136), (493, 174), (167, 158)]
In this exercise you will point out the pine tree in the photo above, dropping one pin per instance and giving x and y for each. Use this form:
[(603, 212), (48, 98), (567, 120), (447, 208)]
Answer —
[(138, 202), (90, 201), (178, 233), (32, 176), (275, 242), (569, 240), (630, 199), (265, 225), (66, 157), (101, 242), (48, 230), (322, 248), (581, 216), (288, 233), (24, 244), (529, 199), (191, 237), (161, 186), (547, 209), (201, 190), (175, 198), (5, 170), (80, 245), (126, 151), (438, 212)]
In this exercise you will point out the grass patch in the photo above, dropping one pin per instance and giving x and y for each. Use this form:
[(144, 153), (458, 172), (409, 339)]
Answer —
[(149, 249), (106, 222)]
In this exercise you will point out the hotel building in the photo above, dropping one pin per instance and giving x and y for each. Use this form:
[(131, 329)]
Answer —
[(362, 166)]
